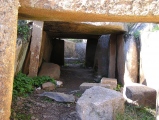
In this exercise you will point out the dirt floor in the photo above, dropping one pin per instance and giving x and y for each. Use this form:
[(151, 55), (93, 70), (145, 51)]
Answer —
[(34, 107)]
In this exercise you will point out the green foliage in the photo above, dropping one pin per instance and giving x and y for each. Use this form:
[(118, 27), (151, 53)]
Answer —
[(39, 80), (155, 28), (23, 29), (20, 116), (118, 88), (23, 84), (136, 34)]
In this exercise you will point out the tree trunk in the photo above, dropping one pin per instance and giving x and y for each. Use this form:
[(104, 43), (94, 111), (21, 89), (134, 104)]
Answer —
[(8, 35)]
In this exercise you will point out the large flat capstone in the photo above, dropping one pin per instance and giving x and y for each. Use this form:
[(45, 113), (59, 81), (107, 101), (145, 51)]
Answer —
[(99, 103)]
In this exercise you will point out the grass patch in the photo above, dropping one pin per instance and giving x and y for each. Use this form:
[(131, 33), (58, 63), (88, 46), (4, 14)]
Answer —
[(136, 113), (20, 116)]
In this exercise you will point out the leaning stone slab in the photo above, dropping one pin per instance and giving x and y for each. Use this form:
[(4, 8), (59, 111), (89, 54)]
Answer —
[(59, 97), (109, 81), (141, 95), (85, 86), (99, 103)]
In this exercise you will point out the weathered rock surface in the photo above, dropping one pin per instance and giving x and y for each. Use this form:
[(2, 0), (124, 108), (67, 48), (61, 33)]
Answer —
[(70, 49), (50, 69), (125, 11), (131, 60), (85, 86), (59, 97), (102, 56), (112, 82), (35, 48), (21, 50), (48, 86), (120, 58), (112, 55), (8, 35), (99, 103), (141, 95)]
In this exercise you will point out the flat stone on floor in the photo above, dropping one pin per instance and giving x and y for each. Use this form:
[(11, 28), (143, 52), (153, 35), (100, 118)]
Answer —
[(109, 81), (85, 86)]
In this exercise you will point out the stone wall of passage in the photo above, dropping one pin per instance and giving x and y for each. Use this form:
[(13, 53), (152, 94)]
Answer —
[(8, 35)]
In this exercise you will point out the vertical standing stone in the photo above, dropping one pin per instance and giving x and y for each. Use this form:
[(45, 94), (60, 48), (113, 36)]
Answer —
[(90, 52), (131, 60), (8, 35), (42, 48), (120, 58), (112, 56), (35, 47), (47, 48), (101, 55)]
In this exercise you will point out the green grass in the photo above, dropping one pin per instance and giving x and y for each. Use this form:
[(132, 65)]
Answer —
[(136, 113), (17, 115)]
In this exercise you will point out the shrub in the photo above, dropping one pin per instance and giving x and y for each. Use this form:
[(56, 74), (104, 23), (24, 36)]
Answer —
[(23, 29), (23, 84)]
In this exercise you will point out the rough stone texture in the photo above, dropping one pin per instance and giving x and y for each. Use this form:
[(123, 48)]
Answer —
[(98, 103), (86, 10), (109, 81), (131, 60), (120, 59), (21, 50), (81, 51), (69, 49), (50, 69), (48, 86), (42, 48), (112, 56), (59, 97), (141, 95), (102, 56), (35, 48), (26, 64), (8, 34), (85, 86), (81, 30), (90, 52), (150, 59), (47, 48), (18, 49)]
